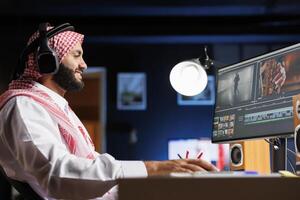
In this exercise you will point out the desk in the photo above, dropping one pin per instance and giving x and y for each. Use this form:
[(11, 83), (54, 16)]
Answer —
[(216, 188)]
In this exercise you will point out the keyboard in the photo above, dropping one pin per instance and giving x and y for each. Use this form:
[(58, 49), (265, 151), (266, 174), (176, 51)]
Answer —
[(222, 174)]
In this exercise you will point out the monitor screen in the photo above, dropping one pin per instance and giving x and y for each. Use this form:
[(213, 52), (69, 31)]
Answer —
[(254, 97)]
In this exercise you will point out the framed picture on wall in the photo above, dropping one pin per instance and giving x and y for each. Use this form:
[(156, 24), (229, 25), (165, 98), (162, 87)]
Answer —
[(131, 91), (207, 97)]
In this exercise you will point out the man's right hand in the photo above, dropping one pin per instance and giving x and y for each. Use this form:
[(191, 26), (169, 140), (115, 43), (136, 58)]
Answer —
[(181, 165)]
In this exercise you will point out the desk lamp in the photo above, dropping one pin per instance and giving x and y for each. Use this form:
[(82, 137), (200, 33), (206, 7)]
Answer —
[(189, 77)]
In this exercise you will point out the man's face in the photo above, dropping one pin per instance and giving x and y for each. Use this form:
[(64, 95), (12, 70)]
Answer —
[(69, 75)]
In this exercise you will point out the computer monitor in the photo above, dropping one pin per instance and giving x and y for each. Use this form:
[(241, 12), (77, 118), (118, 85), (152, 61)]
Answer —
[(254, 97)]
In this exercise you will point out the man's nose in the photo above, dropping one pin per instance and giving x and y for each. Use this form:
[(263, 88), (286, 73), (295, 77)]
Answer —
[(83, 64)]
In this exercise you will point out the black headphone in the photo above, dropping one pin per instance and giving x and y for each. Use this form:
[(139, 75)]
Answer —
[(47, 59)]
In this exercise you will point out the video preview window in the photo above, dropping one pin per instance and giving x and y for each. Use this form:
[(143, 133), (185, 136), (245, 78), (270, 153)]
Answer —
[(279, 74), (235, 86)]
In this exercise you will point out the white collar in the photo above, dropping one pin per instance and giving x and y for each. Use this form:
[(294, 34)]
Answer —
[(59, 100)]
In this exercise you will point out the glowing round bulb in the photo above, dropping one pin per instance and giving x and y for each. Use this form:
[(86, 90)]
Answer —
[(188, 78)]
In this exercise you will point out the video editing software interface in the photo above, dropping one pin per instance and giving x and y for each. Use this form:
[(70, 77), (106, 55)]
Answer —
[(254, 97)]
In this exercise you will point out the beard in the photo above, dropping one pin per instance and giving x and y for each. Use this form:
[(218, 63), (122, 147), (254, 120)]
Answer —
[(66, 79)]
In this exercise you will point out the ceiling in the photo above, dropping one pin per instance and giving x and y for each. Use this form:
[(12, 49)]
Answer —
[(157, 17), (150, 7)]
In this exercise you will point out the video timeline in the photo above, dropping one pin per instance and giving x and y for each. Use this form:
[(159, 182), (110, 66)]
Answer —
[(268, 116)]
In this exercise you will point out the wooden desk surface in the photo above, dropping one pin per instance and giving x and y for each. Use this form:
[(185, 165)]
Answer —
[(174, 188)]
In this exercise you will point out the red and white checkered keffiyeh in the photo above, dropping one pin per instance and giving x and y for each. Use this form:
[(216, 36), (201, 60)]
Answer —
[(61, 43)]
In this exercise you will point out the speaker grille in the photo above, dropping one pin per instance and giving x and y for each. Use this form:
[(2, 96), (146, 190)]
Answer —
[(236, 155)]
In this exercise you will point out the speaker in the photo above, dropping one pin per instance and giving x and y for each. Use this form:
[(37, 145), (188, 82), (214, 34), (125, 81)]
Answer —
[(296, 111), (46, 57), (236, 156), (253, 155)]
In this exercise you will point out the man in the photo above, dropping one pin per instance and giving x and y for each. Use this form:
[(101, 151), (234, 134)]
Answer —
[(43, 143), (236, 85)]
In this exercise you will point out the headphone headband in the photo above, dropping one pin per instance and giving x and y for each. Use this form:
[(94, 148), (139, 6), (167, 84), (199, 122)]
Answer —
[(49, 34), (35, 43)]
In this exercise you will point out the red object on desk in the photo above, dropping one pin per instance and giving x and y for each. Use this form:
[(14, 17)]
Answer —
[(187, 154), (200, 155), (221, 161)]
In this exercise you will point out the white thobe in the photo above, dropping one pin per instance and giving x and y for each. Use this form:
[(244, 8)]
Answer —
[(33, 150)]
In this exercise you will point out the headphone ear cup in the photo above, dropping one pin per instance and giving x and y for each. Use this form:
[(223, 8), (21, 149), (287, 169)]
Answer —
[(46, 58), (47, 62)]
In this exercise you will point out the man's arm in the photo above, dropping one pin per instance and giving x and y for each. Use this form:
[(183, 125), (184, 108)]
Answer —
[(33, 141)]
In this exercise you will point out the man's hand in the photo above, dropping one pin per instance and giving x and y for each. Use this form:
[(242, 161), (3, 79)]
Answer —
[(182, 165)]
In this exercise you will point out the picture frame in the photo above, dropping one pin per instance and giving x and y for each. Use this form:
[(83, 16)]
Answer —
[(131, 91), (207, 97)]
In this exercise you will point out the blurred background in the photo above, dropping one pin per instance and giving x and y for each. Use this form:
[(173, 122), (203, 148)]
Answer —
[(150, 37)]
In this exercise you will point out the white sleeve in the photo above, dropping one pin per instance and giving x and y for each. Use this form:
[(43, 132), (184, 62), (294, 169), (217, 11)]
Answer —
[(34, 139)]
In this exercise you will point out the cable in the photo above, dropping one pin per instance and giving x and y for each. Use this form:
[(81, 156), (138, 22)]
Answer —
[(290, 160), (294, 153), (291, 165), (267, 141)]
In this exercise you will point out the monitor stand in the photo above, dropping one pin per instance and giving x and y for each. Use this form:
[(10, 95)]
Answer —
[(279, 155)]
